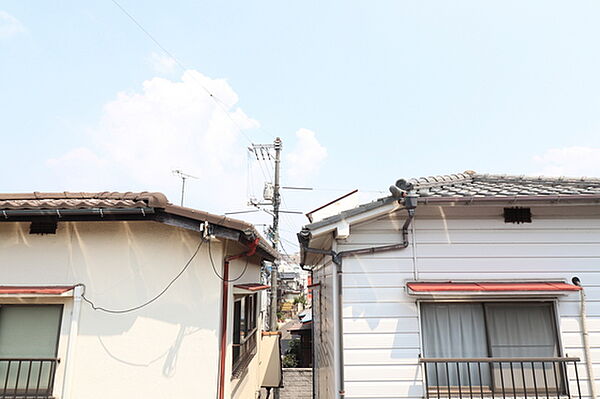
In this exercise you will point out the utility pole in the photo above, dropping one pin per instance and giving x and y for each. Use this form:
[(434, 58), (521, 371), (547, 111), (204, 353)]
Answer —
[(274, 272), (276, 202), (274, 199)]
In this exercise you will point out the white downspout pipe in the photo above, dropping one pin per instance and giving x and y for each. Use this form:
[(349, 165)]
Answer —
[(586, 343), (73, 332), (337, 328)]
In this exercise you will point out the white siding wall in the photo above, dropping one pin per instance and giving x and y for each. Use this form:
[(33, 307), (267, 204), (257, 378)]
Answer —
[(323, 330), (381, 322)]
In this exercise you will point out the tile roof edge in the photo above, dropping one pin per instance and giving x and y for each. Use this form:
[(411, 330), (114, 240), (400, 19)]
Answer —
[(235, 224), (153, 200), (350, 212)]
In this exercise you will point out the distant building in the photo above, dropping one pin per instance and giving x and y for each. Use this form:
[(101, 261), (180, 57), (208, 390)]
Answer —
[(293, 280)]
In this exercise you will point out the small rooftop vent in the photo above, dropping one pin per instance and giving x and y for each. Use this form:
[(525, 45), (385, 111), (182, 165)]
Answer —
[(517, 215), (42, 227)]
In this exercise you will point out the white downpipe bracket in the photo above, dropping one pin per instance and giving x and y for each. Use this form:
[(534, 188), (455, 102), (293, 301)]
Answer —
[(586, 345), (73, 332)]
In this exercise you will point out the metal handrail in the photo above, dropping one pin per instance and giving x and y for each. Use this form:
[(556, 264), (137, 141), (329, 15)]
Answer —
[(247, 351), (501, 377), (27, 377), (498, 359)]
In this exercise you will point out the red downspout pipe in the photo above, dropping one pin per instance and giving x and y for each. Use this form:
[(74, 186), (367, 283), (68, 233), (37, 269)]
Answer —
[(224, 312)]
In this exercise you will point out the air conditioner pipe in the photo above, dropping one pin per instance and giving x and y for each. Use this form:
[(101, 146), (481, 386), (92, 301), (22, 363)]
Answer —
[(224, 313), (586, 338), (410, 203)]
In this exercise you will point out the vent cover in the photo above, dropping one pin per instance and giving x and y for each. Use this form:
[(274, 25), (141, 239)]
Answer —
[(42, 228), (517, 215)]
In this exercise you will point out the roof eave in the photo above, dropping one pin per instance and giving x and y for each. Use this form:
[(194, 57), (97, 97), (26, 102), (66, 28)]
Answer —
[(319, 227), (227, 228)]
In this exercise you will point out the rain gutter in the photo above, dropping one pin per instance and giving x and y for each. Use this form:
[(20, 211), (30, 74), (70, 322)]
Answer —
[(7, 214)]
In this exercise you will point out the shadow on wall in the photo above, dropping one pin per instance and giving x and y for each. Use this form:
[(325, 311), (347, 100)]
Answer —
[(124, 264), (369, 272), (130, 263), (169, 356)]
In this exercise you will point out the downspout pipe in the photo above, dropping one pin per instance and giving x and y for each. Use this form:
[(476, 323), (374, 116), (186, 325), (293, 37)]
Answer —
[(224, 313), (337, 258), (586, 338)]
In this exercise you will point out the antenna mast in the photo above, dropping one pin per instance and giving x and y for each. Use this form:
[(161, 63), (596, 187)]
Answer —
[(184, 177)]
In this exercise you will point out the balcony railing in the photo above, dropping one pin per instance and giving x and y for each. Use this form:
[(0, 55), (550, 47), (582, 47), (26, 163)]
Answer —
[(27, 378), (501, 378), (243, 353)]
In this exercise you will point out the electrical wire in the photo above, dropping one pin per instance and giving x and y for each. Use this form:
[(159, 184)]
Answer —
[(220, 103), (212, 262), (268, 167), (290, 242), (266, 175), (121, 311)]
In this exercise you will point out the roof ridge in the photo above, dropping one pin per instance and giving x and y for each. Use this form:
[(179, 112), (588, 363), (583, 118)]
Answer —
[(469, 176), (440, 180), (153, 199), (540, 179)]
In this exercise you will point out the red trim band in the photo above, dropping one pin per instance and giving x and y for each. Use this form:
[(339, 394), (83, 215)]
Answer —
[(491, 287)]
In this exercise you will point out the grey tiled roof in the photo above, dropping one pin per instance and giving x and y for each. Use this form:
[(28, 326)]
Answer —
[(473, 186), (470, 184)]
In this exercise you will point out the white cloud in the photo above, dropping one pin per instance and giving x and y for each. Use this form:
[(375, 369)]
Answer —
[(306, 157), (162, 63), (569, 161), (143, 136), (9, 25)]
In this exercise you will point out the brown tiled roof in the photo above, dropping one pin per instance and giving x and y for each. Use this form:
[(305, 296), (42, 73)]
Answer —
[(129, 200), (69, 200)]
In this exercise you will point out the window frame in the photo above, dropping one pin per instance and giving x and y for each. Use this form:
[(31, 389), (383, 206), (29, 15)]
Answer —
[(52, 373), (67, 331), (247, 337), (553, 301)]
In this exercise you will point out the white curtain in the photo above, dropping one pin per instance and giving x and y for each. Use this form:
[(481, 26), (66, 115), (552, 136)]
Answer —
[(471, 330), (523, 330), (455, 330)]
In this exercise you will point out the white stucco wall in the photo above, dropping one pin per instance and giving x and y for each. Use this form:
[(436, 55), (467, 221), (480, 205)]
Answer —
[(381, 322), (166, 349)]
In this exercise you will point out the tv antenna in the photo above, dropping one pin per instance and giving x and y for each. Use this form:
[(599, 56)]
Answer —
[(184, 177)]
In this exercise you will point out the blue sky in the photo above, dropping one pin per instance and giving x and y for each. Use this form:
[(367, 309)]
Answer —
[(362, 93)]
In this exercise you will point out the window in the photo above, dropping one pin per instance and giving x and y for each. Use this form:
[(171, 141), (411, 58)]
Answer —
[(244, 331), (471, 331), (28, 348)]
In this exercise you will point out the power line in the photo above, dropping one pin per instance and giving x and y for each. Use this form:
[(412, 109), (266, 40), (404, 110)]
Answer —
[(216, 99), (212, 262), (329, 189), (121, 311), (290, 242)]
